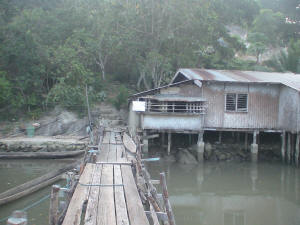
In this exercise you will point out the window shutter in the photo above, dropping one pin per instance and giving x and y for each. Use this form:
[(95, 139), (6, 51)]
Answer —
[(242, 102), (230, 102)]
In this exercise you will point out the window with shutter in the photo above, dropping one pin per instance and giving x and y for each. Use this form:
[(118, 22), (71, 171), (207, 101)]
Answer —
[(236, 102)]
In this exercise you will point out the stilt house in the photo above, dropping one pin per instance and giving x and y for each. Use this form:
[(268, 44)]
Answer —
[(199, 100)]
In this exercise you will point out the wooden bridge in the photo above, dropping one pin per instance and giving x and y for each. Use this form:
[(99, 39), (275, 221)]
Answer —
[(106, 193)]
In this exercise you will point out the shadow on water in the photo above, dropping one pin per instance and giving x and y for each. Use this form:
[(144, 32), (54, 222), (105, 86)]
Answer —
[(232, 193), (16, 172)]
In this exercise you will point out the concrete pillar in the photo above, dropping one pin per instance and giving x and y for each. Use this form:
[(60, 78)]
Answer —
[(297, 149), (145, 146), (283, 145), (254, 147), (289, 147), (200, 147), (169, 143)]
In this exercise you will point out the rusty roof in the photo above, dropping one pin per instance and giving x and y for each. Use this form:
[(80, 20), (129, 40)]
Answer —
[(289, 79)]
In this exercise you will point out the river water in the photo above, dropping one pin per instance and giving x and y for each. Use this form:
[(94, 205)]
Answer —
[(213, 193), (16, 172), (232, 193)]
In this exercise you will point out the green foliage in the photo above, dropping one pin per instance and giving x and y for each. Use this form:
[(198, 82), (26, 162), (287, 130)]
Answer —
[(51, 50), (287, 61), (121, 99)]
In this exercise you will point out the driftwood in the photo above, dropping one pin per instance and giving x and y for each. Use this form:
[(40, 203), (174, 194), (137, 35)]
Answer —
[(39, 155), (33, 185)]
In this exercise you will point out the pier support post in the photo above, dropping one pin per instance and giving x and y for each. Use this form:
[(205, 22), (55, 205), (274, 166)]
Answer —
[(53, 211), (145, 147), (246, 141), (169, 143), (254, 147), (220, 137), (297, 150), (283, 146), (289, 147), (200, 147), (162, 139)]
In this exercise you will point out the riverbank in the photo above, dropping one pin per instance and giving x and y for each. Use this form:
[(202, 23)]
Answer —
[(43, 144)]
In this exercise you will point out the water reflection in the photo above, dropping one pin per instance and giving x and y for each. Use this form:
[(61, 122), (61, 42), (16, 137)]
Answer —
[(233, 193)]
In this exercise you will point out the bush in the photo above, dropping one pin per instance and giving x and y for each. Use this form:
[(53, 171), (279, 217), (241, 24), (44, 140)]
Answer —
[(121, 99)]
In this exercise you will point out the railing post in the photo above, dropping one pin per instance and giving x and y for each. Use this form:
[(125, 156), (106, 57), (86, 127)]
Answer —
[(166, 199), (53, 211)]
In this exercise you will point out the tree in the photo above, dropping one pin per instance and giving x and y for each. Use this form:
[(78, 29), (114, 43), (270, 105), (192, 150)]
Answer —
[(258, 44)]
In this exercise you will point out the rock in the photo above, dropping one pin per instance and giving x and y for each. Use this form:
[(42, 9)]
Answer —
[(207, 151), (170, 158), (185, 157)]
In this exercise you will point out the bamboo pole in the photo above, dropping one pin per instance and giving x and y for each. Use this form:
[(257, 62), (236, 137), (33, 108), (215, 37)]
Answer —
[(166, 199)]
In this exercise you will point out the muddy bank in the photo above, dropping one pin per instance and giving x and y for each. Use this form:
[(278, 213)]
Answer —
[(218, 152), (42, 144)]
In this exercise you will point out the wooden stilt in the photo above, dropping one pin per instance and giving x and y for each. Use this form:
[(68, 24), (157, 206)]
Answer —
[(162, 139), (238, 137), (169, 143), (220, 136), (297, 149), (190, 139), (53, 211), (283, 145), (246, 141), (289, 147)]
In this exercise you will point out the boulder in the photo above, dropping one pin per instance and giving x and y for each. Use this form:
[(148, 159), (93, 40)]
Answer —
[(185, 157), (207, 150)]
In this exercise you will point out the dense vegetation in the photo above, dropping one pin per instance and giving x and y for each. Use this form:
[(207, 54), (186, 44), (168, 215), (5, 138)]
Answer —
[(51, 49)]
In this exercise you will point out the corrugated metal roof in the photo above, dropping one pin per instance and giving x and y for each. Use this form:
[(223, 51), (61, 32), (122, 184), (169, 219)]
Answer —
[(289, 79)]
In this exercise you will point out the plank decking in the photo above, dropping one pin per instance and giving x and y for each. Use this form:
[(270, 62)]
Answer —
[(107, 189)]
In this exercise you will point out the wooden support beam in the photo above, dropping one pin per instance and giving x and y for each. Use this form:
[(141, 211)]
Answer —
[(220, 137), (53, 211), (289, 150), (297, 149), (150, 136), (169, 143), (283, 145), (246, 141)]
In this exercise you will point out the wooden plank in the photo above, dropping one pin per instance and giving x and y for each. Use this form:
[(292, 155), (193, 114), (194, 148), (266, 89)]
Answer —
[(112, 138), (135, 208), (102, 156), (121, 208), (73, 215), (106, 206), (106, 137), (153, 215), (92, 206), (121, 157), (129, 143)]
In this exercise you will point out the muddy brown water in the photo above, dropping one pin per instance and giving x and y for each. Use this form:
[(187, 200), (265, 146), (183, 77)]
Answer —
[(213, 193)]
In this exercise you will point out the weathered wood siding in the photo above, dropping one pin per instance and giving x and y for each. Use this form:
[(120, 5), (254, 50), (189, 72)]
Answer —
[(262, 106), (289, 102), (172, 122)]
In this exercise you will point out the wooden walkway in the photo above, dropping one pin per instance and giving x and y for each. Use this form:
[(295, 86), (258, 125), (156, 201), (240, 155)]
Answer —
[(106, 193)]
